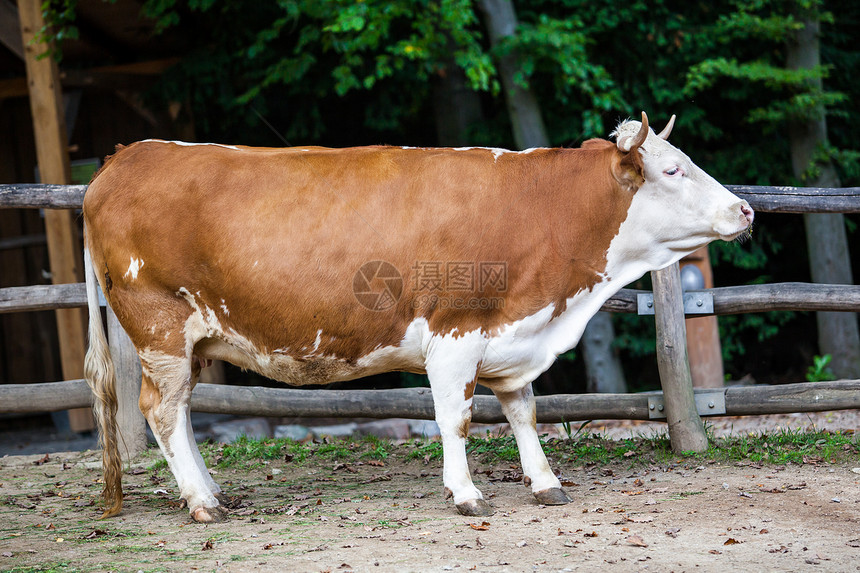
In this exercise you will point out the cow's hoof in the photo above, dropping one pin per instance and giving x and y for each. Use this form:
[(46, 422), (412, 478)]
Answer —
[(552, 496), (209, 514), (475, 507)]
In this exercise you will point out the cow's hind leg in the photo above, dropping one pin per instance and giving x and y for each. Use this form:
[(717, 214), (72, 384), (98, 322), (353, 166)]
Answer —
[(164, 401), (519, 408), (452, 388)]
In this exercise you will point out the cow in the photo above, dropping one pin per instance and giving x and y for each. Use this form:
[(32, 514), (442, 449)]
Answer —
[(314, 265)]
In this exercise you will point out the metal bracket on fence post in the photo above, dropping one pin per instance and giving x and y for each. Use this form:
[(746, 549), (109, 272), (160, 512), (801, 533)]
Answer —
[(709, 402), (695, 302)]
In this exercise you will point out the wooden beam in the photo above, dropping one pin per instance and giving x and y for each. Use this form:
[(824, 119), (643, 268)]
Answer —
[(765, 199), (123, 76), (686, 431), (53, 159), (727, 300), (417, 403), (45, 397), (42, 297), (10, 32), (800, 199), (41, 196)]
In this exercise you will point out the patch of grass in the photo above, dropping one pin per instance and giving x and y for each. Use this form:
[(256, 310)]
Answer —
[(378, 448), (158, 465), (245, 452), (786, 446), (341, 450), (493, 447), (423, 449), (780, 447)]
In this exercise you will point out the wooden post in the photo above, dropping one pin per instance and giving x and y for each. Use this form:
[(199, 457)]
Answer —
[(53, 157), (686, 431), (703, 333), (130, 421)]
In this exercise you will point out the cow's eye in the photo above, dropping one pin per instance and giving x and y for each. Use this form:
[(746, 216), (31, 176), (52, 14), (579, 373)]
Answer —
[(672, 171)]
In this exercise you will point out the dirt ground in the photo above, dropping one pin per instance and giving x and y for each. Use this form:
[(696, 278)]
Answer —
[(321, 514)]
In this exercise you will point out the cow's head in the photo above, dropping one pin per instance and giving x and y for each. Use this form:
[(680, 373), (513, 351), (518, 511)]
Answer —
[(677, 204)]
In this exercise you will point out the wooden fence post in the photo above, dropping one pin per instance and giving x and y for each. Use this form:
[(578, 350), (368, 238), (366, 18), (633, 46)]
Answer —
[(130, 421), (52, 154), (686, 431)]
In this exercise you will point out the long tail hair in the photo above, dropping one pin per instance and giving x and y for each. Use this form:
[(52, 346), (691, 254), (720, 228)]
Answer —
[(101, 378)]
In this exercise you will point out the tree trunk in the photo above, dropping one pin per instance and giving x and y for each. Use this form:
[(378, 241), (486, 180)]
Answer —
[(456, 106), (603, 367), (827, 242)]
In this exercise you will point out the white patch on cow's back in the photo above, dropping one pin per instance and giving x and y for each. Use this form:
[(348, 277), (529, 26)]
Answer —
[(498, 151), (224, 308), (189, 144), (133, 268)]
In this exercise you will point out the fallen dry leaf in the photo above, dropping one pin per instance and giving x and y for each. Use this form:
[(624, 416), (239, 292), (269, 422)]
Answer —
[(484, 526), (732, 541), (672, 531), (95, 533), (636, 540), (715, 552), (207, 545)]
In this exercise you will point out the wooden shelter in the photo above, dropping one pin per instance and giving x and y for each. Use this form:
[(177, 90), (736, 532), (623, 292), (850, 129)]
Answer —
[(57, 122)]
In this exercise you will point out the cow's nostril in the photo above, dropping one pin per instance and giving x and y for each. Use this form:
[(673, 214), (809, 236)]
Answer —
[(747, 211)]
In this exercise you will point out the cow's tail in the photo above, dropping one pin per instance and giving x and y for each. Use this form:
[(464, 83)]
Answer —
[(101, 377)]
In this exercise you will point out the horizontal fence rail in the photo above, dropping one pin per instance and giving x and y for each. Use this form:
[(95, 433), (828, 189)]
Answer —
[(417, 403), (799, 199), (727, 300), (42, 196), (762, 198)]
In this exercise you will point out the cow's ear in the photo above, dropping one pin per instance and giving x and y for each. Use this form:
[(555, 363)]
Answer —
[(628, 169)]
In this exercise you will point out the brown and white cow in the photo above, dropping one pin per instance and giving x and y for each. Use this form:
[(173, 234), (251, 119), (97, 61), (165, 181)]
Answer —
[(316, 265)]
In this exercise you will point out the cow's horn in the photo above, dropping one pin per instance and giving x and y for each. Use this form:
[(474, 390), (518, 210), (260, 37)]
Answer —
[(642, 135), (668, 129)]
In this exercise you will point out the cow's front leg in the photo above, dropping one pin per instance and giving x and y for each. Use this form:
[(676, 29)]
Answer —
[(453, 386), (519, 408)]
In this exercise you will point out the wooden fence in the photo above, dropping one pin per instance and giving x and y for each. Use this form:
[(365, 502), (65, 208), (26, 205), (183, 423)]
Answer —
[(676, 404)]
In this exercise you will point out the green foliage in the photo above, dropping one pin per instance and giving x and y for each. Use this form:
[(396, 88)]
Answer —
[(59, 17), (371, 41), (819, 372), (761, 326)]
